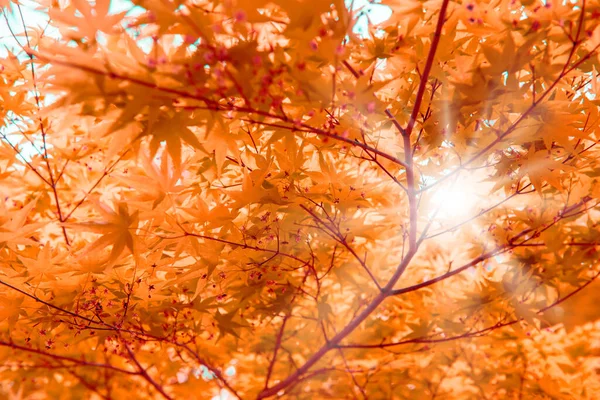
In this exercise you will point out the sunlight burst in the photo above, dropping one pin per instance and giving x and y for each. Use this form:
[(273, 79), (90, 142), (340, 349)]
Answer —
[(457, 200)]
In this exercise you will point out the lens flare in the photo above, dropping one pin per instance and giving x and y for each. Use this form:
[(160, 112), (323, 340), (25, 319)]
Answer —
[(456, 200)]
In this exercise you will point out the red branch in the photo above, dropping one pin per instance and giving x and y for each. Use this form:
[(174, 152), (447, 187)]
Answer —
[(357, 320)]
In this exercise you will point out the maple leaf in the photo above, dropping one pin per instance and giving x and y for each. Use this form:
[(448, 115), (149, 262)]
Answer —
[(117, 228), (47, 264), (221, 139), (155, 182), (173, 131), (10, 308), (256, 189), (560, 125), (226, 325), (86, 20), (540, 167), (14, 229)]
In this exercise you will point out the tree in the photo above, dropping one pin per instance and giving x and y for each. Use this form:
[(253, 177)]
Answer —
[(247, 198)]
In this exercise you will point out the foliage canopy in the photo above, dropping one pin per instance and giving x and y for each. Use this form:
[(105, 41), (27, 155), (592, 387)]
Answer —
[(246, 197)]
